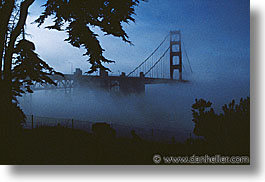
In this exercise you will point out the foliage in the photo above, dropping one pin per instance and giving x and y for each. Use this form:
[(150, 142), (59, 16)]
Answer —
[(29, 68), (230, 129), (20, 66), (80, 16)]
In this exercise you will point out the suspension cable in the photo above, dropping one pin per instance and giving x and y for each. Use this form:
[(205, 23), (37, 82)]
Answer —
[(149, 55), (157, 61), (187, 56)]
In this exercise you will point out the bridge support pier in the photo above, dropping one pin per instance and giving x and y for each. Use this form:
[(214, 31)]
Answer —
[(77, 77), (104, 81), (134, 85)]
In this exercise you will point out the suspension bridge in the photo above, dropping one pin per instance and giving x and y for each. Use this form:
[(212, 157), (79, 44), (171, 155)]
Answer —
[(163, 65)]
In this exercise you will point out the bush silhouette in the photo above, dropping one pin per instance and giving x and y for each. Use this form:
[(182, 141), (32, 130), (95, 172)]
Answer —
[(228, 131), (103, 131)]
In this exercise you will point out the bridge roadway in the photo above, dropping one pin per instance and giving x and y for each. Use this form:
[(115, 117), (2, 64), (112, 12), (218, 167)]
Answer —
[(122, 83)]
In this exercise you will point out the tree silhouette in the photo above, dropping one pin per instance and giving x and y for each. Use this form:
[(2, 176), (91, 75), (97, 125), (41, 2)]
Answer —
[(229, 130), (20, 66), (80, 16), (204, 118)]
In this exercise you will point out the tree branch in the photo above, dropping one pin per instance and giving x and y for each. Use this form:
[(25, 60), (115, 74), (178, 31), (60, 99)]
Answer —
[(16, 32)]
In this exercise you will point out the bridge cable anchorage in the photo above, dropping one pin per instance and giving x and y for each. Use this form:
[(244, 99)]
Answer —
[(149, 55), (186, 54), (157, 61)]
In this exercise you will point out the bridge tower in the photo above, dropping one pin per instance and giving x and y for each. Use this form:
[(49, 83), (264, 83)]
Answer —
[(175, 53)]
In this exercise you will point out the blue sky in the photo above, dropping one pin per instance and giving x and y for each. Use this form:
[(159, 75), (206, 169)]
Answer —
[(216, 36)]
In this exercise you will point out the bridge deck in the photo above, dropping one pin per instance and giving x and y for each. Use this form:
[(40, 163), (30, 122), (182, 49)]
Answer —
[(147, 80), (123, 83)]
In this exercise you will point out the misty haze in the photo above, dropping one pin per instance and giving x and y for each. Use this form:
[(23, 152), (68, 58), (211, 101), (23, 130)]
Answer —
[(124, 81), (163, 106)]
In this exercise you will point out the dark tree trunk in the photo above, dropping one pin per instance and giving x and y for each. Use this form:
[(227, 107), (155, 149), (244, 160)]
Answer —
[(8, 110), (5, 14), (11, 45)]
